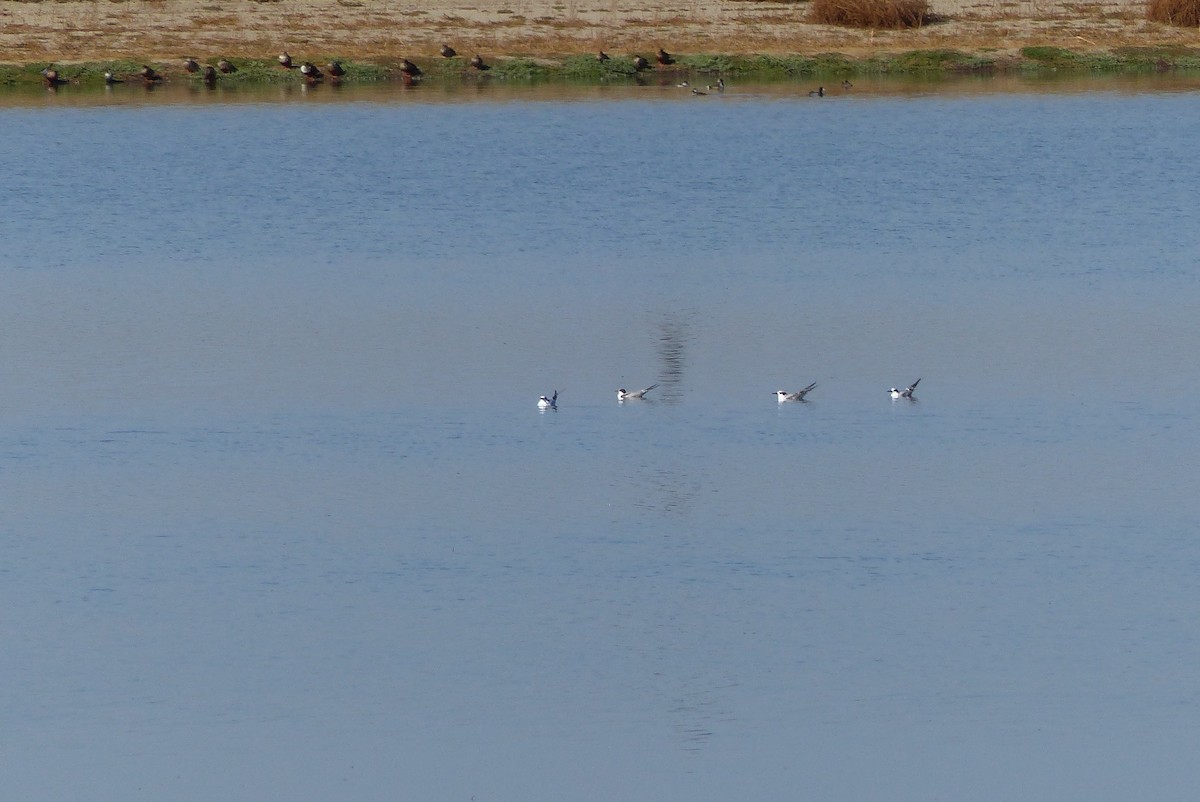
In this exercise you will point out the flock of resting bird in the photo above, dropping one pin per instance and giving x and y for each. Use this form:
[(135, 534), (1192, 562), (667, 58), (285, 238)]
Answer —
[(409, 71), (782, 396), (310, 72)]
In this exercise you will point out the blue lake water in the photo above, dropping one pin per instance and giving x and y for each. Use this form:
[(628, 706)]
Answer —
[(279, 516)]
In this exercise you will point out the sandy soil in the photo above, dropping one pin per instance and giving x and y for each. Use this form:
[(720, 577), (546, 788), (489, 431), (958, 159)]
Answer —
[(163, 30)]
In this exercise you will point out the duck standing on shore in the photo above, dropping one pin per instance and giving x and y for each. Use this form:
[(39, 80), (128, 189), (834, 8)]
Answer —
[(52, 77), (310, 72)]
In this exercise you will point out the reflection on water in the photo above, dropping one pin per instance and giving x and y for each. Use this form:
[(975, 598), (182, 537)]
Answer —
[(665, 490), (280, 519), (695, 718), (641, 87), (672, 356)]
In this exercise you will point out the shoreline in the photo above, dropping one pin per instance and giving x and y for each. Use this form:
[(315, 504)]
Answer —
[(544, 39), (1032, 61)]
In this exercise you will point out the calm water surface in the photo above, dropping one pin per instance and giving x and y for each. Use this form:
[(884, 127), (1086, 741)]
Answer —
[(280, 518)]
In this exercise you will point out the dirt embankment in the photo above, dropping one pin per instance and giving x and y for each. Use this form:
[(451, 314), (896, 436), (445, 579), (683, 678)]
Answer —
[(33, 31)]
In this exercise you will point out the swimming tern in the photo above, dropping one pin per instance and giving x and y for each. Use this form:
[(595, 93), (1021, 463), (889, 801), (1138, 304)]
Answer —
[(784, 396), (624, 395), (905, 393)]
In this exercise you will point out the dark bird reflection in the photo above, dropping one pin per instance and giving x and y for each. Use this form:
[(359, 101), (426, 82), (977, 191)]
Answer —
[(673, 337), (664, 489), (703, 706)]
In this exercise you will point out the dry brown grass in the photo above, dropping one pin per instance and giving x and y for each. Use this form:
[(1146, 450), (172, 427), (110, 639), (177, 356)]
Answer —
[(215, 22), (153, 30), (1181, 13), (870, 13)]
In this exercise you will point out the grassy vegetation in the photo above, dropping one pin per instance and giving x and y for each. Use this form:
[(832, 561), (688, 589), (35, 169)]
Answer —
[(587, 68), (1158, 58), (1128, 59), (519, 69), (1051, 57), (938, 61), (584, 68)]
